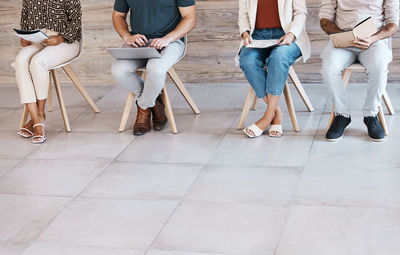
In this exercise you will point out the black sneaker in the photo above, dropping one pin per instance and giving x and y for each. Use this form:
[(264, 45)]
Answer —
[(336, 130), (375, 129)]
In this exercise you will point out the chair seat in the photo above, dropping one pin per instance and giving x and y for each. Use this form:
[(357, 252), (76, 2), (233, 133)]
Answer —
[(356, 66)]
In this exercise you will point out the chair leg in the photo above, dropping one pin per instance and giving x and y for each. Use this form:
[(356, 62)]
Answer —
[(381, 117), (331, 117), (388, 103), (300, 89), (246, 107), (255, 102), (168, 109), (346, 77), (127, 110), (68, 70), (24, 117), (289, 103), (61, 101), (174, 76), (50, 96)]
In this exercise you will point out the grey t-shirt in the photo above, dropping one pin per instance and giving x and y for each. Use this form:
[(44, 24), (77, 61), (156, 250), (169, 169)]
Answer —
[(152, 18)]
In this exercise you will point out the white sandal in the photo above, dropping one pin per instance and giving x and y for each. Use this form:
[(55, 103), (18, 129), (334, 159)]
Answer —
[(43, 137), (24, 135), (275, 128), (256, 131)]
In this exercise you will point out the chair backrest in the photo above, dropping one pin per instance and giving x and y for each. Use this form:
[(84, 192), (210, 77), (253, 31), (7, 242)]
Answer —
[(186, 45)]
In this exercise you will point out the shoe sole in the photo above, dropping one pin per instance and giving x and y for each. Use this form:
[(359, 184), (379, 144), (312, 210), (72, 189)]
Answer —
[(334, 140), (374, 139)]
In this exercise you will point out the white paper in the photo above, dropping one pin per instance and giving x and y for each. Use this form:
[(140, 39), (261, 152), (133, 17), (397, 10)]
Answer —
[(37, 37), (262, 43)]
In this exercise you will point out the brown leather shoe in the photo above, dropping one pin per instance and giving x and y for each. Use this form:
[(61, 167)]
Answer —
[(142, 124), (159, 117)]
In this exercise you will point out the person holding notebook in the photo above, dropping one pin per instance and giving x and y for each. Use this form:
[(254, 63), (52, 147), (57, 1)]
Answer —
[(161, 24), (267, 69), (373, 52), (61, 21)]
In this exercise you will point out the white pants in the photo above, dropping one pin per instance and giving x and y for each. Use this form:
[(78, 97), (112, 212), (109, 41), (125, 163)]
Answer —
[(375, 60), (32, 66), (156, 73)]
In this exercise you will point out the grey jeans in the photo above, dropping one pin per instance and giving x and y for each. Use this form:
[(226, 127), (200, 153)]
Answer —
[(156, 73), (375, 60)]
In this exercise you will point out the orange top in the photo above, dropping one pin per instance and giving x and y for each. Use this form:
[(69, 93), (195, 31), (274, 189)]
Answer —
[(267, 14)]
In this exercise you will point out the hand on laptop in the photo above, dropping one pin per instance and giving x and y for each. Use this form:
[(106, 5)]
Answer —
[(136, 40), (160, 43)]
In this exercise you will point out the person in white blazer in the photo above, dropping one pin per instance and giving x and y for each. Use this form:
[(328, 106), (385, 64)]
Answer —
[(283, 20)]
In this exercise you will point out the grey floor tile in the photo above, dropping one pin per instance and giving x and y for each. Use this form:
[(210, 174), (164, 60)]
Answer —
[(210, 97), (50, 177), (171, 148), (207, 122), (14, 146), (130, 180), (83, 145), (349, 187), (223, 228), (6, 165), (245, 184), (238, 149), (129, 224), (355, 152), (158, 252), (12, 248), (107, 120), (39, 248), (5, 112), (341, 230), (23, 218)]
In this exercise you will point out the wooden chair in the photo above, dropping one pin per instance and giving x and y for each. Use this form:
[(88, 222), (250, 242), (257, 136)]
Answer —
[(288, 98), (179, 84), (75, 80), (357, 67)]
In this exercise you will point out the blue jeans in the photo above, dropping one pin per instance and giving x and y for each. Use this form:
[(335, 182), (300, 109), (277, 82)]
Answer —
[(277, 59)]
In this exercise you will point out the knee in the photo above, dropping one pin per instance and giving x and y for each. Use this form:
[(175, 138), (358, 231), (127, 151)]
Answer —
[(21, 61), (376, 67), (330, 69), (247, 62), (157, 70), (36, 64), (120, 69)]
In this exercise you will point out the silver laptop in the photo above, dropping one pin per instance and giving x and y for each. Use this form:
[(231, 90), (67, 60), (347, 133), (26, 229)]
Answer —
[(129, 52)]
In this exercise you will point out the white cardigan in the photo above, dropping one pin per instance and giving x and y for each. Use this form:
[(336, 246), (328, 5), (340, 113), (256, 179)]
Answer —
[(292, 14)]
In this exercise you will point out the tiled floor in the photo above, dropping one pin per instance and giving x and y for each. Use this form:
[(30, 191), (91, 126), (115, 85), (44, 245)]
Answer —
[(208, 190)]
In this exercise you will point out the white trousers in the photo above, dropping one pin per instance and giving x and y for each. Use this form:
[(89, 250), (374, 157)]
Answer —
[(32, 66), (375, 60), (156, 73)]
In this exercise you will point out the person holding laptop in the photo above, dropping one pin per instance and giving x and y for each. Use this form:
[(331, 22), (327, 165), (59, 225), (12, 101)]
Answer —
[(373, 52), (283, 20), (61, 21), (161, 24)]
